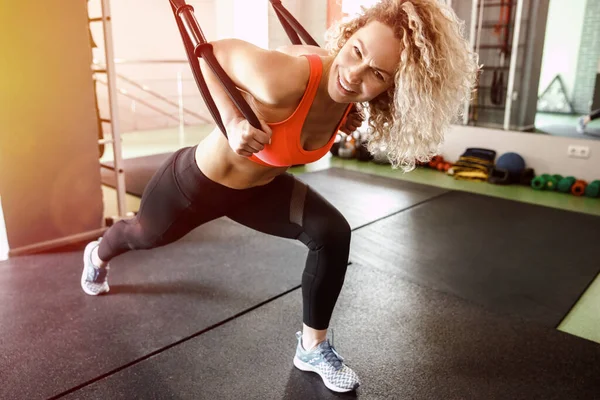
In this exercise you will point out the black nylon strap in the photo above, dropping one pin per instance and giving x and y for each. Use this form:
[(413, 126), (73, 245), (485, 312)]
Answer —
[(196, 46), (196, 71), (291, 25), (203, 49)]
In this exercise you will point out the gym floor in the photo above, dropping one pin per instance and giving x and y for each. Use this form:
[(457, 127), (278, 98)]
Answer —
[(455, 290)]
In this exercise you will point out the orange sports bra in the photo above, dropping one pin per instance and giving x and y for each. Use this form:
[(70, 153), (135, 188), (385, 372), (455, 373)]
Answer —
[(285, 149)]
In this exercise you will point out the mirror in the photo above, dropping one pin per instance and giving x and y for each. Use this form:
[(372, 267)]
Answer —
[(569, 87), (541, 62)]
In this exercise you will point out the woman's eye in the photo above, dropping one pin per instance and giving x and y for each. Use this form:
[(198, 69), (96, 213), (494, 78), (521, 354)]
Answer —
[(357, 51), (378, 75)]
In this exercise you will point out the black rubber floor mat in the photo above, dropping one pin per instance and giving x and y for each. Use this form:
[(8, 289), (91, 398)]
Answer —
[(54, 337), (364, 198), (516, 258), (405, 342)]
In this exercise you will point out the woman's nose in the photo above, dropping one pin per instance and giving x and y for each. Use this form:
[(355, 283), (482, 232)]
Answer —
[(354, 74)]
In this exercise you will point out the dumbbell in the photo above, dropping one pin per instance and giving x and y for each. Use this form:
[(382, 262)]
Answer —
[(593, 189), (565, 184)]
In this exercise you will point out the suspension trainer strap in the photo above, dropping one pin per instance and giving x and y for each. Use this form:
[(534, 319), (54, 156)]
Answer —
[(197, 46), (196, 71), (291, 26)]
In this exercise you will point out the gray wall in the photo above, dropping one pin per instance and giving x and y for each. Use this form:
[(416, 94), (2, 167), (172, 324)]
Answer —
[(49, 169)]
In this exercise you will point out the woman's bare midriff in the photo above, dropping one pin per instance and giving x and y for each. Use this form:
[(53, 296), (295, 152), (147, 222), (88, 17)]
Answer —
[(220, 164)]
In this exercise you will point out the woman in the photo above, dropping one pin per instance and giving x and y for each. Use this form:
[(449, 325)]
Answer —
[(405, 61)]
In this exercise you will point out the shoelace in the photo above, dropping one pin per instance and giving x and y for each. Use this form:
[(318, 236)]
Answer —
[(331, 355)]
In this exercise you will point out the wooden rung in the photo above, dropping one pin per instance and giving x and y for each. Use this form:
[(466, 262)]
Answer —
[(98, 19)]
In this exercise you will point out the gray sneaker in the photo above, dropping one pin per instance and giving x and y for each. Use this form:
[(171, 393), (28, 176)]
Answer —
[(581, 125), (94, 280), (326, 362)]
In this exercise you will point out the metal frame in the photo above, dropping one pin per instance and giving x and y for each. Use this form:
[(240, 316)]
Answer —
[(472, 39), (513, 66), (111, 78)]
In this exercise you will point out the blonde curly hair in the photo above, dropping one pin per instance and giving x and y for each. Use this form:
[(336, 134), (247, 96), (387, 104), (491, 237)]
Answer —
[(436, 75)]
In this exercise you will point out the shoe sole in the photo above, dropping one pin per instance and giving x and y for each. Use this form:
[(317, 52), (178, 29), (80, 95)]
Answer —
[(309, 368), (86, 256)]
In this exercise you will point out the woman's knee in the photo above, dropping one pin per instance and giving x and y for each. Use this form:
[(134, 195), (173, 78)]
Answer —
[(331, 229), (337, 230)]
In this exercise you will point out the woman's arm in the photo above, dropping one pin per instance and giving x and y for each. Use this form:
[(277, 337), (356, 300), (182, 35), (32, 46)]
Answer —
[(268, 76), (264, 74)]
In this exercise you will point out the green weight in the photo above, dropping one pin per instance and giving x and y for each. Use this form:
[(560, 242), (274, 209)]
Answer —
[(539, 182), (593, 189), (557, 177), (564, 185), (552, 183)]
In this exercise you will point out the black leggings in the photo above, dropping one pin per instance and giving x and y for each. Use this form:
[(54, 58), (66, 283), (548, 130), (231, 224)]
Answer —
[(180, 198), (595, 114)]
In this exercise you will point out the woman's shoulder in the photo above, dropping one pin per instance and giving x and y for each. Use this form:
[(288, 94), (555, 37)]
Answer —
[(286, 77), (273, 77), (302, 49)]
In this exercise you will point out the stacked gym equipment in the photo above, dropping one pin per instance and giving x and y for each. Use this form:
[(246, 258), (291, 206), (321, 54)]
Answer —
[(477, 164), (569, 184), (351, 146)]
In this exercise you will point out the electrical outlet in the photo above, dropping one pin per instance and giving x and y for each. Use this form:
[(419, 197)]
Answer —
[(578, 151)]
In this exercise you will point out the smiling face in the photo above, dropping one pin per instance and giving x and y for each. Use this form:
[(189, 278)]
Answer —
[(365, 67)]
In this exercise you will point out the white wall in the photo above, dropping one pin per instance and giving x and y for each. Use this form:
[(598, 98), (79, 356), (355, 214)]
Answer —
[(250, 20), (312, 15), (242, 19), (543, 153), (146, 30), (562, 42)]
